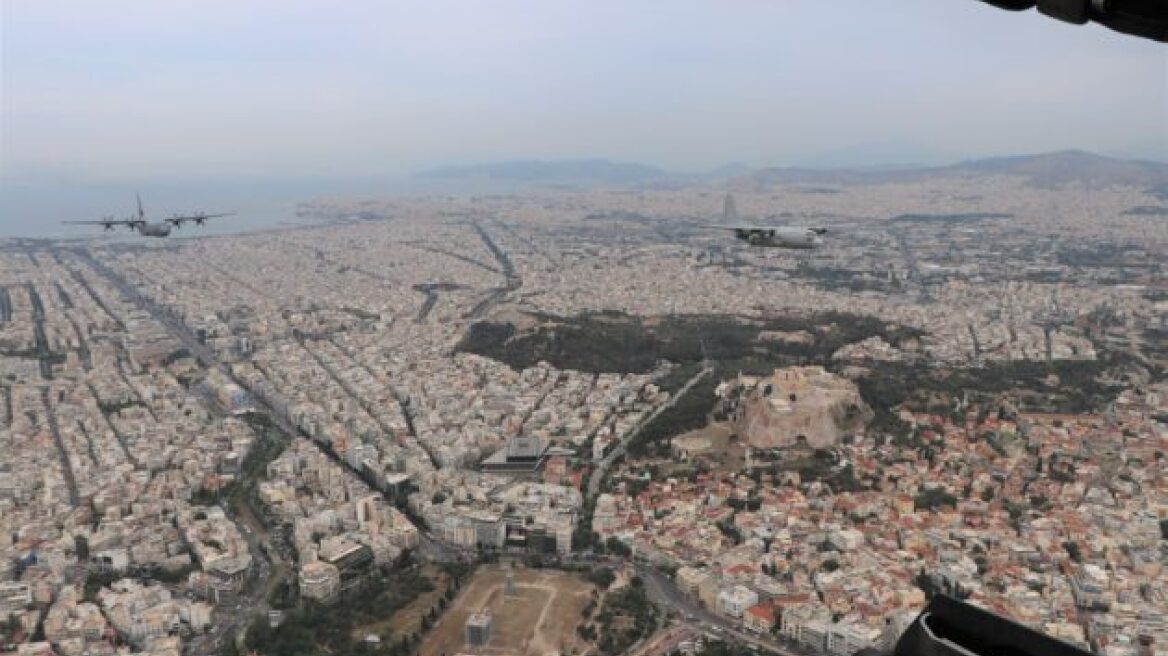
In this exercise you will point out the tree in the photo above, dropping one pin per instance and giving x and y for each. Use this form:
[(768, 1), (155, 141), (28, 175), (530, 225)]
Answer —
[(631, 604), (10, 627), (1073, 551), (613, 545), (933, 498), (602, 577), (81, 546), (731, 531)]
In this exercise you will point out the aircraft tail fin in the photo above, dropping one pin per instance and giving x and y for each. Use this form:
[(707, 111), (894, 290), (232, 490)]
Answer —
[(729, 209), (141, 212)]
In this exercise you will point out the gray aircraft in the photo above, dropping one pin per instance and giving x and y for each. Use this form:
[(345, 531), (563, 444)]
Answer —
[(161, 228), (768, 236)]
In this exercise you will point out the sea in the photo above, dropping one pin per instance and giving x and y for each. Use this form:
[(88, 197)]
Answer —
[(39, 210)]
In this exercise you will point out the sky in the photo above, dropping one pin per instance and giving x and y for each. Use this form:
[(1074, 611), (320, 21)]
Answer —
[(119, 93)]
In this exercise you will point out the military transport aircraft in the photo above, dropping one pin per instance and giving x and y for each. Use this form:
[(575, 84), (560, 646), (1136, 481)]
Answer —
[(768, 236), (146, 228)]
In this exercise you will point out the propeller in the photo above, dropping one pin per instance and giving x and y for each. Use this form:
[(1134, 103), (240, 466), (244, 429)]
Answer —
[(198, 218)]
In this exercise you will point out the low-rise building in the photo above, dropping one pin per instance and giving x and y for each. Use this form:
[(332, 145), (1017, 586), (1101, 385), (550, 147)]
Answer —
[(478, 629), (845, 639), (14, 596), (734, 601), (320, 581), (758, 618)]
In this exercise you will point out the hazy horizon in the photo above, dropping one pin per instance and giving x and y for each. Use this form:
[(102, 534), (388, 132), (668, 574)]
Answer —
[(35, 210)]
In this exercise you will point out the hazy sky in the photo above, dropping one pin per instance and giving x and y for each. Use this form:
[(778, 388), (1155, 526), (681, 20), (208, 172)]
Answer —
[(117, 90)]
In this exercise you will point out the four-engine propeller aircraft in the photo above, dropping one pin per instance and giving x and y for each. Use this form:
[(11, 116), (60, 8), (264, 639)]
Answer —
[(769, 236), (146, 228)]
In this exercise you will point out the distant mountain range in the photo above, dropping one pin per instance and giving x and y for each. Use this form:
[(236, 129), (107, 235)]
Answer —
[(1045, 169), (1071, 166)]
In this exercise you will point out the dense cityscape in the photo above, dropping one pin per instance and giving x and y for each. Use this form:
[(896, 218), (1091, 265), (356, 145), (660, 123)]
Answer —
[(409, 415)]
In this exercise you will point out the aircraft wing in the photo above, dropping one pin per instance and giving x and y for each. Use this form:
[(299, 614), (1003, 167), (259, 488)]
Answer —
[(198, 218), (766, 228), (108, 224), (743, 228)]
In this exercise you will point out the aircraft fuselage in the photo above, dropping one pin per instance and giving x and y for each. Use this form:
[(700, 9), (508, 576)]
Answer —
[(798, 238), (154, 229)]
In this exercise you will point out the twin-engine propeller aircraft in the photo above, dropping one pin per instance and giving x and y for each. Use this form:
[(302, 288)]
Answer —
[(146, 228), (769, 236)]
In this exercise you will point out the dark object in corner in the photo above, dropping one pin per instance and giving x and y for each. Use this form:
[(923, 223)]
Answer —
[(1146, 18), (948, 627)]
